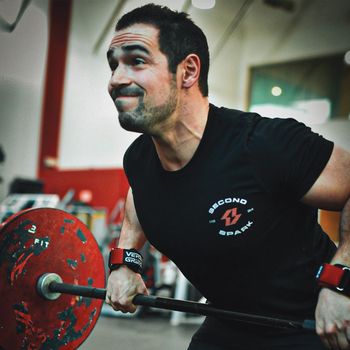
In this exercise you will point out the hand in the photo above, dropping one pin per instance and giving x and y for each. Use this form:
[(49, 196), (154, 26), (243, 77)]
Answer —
[(123, 284), (333, 319)]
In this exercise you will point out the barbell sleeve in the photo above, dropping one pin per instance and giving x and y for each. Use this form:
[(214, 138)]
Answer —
[(185, 306)]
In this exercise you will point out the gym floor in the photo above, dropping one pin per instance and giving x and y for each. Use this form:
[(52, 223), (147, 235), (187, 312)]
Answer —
[(141, 333)]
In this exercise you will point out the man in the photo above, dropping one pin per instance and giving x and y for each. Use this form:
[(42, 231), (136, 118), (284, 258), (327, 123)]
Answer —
[(229, 196)]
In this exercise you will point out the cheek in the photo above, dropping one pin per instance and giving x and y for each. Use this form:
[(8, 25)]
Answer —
[(159, 89), (156, 84), (156, 95)]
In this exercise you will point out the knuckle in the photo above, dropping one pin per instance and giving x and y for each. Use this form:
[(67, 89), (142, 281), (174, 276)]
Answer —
[(114, 299), (123, 301), (331, 329), (320, 332), (116, 308)]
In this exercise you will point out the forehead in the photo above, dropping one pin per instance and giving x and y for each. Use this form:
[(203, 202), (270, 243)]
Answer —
[(141, 34)]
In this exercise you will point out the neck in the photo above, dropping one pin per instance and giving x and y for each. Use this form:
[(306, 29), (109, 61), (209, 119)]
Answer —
[(179, 139)]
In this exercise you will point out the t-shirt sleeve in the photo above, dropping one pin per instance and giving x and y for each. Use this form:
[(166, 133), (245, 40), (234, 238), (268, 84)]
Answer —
[(130, 161), (287, 157), (126, 164)]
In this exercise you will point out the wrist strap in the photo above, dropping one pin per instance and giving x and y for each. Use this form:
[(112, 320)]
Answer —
[(129, 257), (335, 277)]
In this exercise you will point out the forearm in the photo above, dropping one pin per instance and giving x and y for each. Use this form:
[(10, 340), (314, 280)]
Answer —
[(131, 235), (342, 255), (131, 239), (124, 283)]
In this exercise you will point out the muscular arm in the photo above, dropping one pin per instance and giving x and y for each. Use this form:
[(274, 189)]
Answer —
[(332, 191), (123, 284), (131, 235)]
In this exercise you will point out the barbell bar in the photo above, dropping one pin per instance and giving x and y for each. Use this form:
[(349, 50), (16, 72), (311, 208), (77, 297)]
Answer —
[(50, 286)]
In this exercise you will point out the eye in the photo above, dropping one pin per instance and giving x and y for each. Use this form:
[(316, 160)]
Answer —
[(137, 61)]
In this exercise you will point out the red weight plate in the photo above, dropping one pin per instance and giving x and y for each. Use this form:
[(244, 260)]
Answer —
[(34, 242)]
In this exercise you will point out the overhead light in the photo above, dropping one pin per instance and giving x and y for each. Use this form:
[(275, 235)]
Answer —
[(347, 57), (203, 4), (276, 91)]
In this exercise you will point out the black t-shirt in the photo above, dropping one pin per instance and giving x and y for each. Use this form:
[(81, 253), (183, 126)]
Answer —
[(232, 219)]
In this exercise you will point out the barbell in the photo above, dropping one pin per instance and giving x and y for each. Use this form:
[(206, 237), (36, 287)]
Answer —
[(52, 285)]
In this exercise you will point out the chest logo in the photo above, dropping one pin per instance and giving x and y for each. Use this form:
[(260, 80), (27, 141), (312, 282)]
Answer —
[(231, 216)]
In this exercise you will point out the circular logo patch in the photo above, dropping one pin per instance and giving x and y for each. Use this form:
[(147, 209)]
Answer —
[(232, 216)]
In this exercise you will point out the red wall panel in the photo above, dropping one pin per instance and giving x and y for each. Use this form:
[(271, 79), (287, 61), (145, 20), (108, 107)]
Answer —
[(106, 185)]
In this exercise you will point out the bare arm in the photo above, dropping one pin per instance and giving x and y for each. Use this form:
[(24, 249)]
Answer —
[(123, 284), (332, 191), (131, 235)]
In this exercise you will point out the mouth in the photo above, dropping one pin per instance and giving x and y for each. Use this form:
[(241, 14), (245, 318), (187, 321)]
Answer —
[(126, 97), (126, 103)]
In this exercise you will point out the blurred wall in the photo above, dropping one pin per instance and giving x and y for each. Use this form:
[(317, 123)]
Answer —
[(22, 70), (90, 136)]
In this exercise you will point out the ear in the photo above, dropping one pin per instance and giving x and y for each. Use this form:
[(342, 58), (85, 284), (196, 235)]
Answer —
[(191, 69)]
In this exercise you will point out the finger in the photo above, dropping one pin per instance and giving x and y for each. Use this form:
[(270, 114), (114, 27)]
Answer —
[(123, 304), (108, 299), (320, 330), (143, 289), (124, 309), (331, 336), (342, 340), (115, 305), (118, 308), (326, 342), (347, 333), (129, 307), (333, 341)]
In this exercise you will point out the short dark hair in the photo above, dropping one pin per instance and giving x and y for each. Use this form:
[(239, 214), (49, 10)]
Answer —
[(178, 36)]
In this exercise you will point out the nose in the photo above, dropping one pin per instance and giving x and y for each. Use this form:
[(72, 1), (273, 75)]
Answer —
[(120, 76)]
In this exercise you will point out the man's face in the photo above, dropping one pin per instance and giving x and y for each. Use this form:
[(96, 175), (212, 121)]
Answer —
[(141, 86)]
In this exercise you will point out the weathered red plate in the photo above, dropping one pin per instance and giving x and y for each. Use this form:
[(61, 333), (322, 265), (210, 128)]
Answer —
[(32, 243)]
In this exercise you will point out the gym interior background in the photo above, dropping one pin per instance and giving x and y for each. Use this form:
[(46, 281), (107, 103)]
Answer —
[(59, 133)]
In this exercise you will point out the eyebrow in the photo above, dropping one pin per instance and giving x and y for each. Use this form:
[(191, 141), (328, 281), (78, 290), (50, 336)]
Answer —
[(135, 47), (128, 49)]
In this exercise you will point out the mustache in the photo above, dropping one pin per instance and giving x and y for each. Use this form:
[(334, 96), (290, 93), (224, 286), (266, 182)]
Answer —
[(126, 91)]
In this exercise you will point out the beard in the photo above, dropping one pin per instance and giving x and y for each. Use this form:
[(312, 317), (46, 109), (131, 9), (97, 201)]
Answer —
[(145, 119)]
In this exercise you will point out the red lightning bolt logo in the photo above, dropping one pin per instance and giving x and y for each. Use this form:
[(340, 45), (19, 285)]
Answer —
[(231, 217)]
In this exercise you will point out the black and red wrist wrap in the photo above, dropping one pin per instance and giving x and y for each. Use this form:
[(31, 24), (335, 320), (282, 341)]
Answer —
[(335, 277), (128, 257)]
